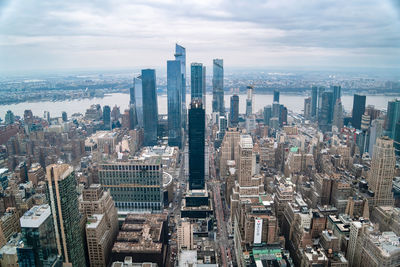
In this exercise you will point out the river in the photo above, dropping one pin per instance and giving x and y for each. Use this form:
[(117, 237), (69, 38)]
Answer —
[(292, 102)]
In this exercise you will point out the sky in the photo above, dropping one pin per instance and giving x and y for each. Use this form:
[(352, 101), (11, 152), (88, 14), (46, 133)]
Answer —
[(124, 34)]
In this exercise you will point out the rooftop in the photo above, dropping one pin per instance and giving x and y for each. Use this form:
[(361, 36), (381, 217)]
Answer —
[(34, 217)]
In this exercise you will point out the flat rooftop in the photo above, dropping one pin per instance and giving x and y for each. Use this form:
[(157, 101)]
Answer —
[(34, 217)]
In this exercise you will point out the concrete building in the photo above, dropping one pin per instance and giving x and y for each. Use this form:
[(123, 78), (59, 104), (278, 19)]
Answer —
[(380, 178), (102, 223), (185, 235), (135, 186), (142, 237)]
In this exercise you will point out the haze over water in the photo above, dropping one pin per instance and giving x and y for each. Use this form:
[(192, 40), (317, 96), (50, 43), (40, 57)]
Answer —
[(294, 103)]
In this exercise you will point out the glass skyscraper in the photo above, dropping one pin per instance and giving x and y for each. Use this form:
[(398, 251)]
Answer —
[(218, 86), (107, 117), (276, 96), (180, 54), (326, 111), (136, 99), (174, 90), (197, 116), (234, 110), (314, 101), (39, 239), (358, 110), (198, 82), (150, 108)]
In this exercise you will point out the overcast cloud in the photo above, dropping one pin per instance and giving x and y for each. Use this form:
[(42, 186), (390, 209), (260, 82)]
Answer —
[(52, 34)]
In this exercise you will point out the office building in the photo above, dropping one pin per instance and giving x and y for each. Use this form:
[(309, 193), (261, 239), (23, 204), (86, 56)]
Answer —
[(380, 178), (234, 111), (64, 116), (135, 186), (180, 54), (185, 235), (39, 239), (338, 119), (314, 101), (218, 86), (174, 90), (196, 145), (63, 199), (102, 223), (249, 101), (307, 108), (325, 114), (276, 96), (337, 93), (107, 117), (144, 237), (198, 82), (136, 99), (358, 110), (150, 108), (267, 114)]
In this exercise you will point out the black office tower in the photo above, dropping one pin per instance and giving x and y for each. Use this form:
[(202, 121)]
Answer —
[(197, 125), (276, 96), (358, 110), (326, 111), (314, 101), (107, 117), (150, 108), (234, 110)]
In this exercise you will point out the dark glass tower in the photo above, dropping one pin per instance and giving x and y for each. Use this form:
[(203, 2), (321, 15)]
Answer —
[(326, 111), (64, 116), (197, 124), (234, 112), (107, 117), (218, 86), (358, 110), (198, 82), (180, 54), (174, 90), (267, 114), (314, 101), (150, 108), (276, 96)]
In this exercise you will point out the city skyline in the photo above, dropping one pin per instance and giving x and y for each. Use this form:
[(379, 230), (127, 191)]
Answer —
[(44, 36)]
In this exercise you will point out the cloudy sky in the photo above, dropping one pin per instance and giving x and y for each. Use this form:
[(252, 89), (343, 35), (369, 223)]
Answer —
[(123, 34)]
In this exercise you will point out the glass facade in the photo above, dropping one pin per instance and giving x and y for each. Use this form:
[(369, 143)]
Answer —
[(135, 187), (197, 124), (180, 54), (174, 89), (358, 110), (325, 116), (218, 86), (234, 110), (150, 108), (314, 101), (198, 82), (137, 99)]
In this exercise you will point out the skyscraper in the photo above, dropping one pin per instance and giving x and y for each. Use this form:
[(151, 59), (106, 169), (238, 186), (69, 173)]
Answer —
[(198, 82), (63, 199), (307, 108), (150, 108), (337, 93), (276, 96), (249, 100), (180, 54), (135, 186), (392, 117), (382, 172), (326, 111), (338, 114), (39, 238), (136, 99), (267, 114), (196, 144), (218, 86), (107, 117), (174, 90), (314, 101), (64, 116), (321, 90), (234, 110), (358, 110)]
